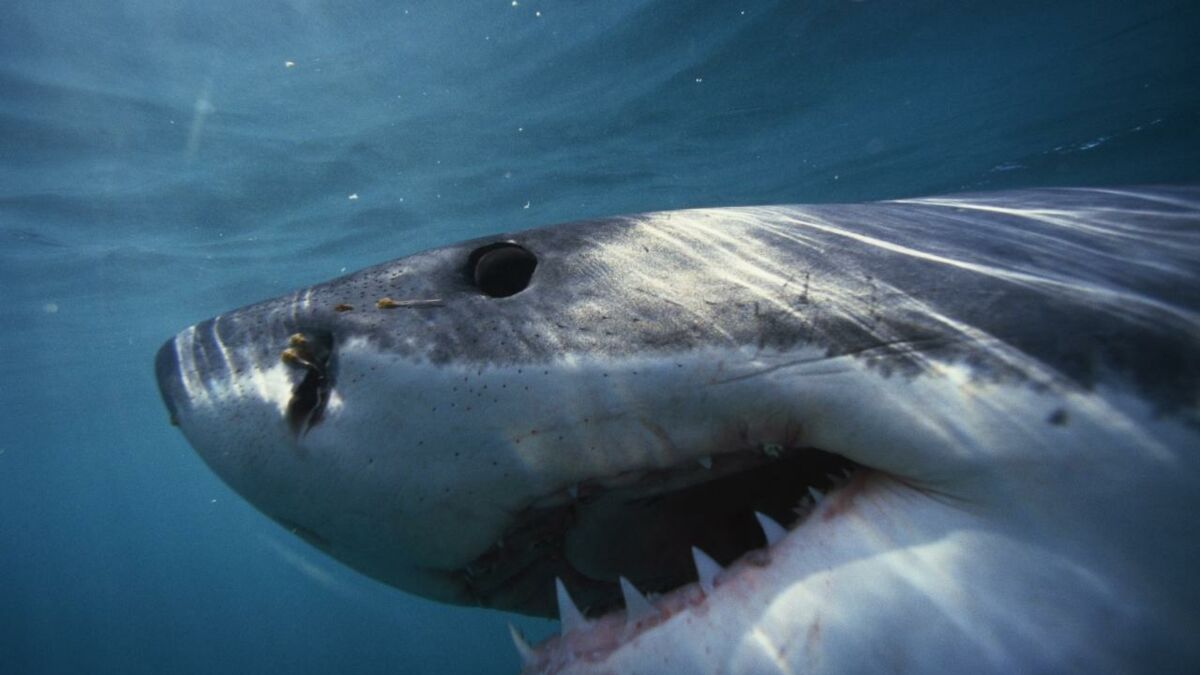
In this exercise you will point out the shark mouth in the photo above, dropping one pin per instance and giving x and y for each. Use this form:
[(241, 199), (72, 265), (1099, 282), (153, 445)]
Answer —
[(650, 543)]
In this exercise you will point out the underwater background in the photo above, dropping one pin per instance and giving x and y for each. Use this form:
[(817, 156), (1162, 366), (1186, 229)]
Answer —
[(162, 161)]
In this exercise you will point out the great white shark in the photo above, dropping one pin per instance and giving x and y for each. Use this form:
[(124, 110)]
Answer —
[(942, 434)]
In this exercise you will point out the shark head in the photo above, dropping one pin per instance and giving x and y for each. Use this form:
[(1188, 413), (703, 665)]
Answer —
[(937, 433)]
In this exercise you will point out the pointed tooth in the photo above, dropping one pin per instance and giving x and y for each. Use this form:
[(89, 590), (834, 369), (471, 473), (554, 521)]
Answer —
[(707, 569), (772, 530), (523, 648), (573, 490), (833, 480), (569, 615), (705, 462), (637, 607), (846, 472), (817, 495)]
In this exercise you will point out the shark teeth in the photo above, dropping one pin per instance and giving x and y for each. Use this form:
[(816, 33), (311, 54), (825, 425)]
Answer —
[(523, 648), (569, 615), (637, 607), (707, 569), (640, 611), (773, 531)]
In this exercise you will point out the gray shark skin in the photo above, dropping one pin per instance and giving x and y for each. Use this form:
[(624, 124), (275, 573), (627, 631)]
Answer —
[(957, 433)]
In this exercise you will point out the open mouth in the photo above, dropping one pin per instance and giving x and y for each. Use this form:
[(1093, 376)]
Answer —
[(649, 542)]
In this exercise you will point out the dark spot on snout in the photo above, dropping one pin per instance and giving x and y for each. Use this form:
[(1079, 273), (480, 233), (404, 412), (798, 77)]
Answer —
[(501, 269), (1058, 418)]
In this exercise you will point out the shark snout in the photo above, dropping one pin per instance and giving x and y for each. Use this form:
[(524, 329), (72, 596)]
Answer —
[(166, 372), (246, 364)]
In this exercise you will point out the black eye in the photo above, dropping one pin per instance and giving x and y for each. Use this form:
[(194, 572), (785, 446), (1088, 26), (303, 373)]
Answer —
[(501, 269)]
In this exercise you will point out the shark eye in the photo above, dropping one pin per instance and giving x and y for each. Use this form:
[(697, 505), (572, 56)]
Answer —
[(501, 269)]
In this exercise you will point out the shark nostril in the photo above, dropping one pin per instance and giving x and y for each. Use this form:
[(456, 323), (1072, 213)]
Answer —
[(312, 352)]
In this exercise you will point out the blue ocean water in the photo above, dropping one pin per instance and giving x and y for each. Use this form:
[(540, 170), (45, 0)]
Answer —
[(161, 162)]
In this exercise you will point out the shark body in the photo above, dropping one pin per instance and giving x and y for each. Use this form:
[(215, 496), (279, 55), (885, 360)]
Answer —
[(955, 433)]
